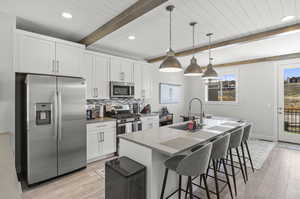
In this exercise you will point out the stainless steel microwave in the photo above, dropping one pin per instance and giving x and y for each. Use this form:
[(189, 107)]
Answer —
[(121, 90)]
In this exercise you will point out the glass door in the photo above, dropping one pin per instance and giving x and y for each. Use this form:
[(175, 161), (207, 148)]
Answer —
[(289, 103)]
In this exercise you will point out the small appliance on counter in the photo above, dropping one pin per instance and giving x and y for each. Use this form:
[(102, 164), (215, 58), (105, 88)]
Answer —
[(165, 118), (136, 108), (94, 111), (146, 109)]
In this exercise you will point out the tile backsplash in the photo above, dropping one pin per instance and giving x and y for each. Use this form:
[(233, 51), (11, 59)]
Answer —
[(115, 101)]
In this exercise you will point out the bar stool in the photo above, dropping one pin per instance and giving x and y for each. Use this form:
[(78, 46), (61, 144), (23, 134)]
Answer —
[(194, 164), (247, 131), (234, 143), (218, 154)]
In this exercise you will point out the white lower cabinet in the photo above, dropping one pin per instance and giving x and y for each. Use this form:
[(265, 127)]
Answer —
[(101, 140), (150, 122)]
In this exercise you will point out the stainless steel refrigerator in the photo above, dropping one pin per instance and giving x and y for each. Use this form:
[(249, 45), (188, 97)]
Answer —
[(56, 128)]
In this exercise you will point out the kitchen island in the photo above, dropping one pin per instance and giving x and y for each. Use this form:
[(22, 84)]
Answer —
[(152, 147)]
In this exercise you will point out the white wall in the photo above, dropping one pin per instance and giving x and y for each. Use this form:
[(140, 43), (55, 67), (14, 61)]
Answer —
[(173, 78), (7, 24), (256, 97)]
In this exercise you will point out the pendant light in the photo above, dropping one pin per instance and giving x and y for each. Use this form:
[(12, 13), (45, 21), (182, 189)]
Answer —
[(170, 63), (193, 69), (210, 73)]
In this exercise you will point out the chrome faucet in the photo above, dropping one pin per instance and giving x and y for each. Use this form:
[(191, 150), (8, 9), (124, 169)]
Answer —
[(201, 108)]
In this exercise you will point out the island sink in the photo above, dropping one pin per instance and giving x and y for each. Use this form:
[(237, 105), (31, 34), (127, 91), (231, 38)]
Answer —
[(184, 127)]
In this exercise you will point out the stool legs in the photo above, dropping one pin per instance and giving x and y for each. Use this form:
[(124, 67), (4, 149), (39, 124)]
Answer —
[(215, 165), (227, 177), (241, 165), (190, 187), (164, 184), (179, 192), (246, 144), (205, 184), (244, 159), (233, 172)]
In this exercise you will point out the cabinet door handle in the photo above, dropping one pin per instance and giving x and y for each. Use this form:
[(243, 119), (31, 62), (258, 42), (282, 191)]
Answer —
[(57, 66), (53, 66), (98, 137), (97, 92), (94, 95), (102, 137)]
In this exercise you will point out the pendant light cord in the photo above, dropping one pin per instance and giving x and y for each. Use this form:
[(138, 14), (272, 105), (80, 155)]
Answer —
[(170, 29), (209, 36), (194, 39)]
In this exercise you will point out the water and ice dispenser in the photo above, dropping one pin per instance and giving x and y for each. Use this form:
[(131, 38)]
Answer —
[(43, 113)]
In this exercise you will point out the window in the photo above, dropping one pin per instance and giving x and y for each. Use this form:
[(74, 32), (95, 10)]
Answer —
[(224, 90)]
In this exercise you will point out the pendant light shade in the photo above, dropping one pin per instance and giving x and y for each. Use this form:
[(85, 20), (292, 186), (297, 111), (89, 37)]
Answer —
[(210, 73), (193, 69), (170, 63)]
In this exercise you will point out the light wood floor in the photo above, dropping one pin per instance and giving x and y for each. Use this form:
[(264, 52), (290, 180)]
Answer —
[(278, 179)]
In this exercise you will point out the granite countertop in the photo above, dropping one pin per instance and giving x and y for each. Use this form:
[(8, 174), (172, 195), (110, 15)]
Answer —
[(9, 185), (103, 119), (172, 141)]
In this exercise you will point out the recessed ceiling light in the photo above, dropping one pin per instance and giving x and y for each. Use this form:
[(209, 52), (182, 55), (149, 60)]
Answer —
[(131, 37), (287, 18), (66, 15)]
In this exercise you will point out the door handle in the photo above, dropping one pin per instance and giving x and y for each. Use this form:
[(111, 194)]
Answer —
[(59, 117), (102, 136), (54, 117)]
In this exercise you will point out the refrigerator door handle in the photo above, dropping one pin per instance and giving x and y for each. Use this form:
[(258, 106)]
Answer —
[(55, 115), (59, 117)]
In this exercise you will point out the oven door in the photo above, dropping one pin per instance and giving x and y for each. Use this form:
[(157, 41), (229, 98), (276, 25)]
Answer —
[(121, 90)]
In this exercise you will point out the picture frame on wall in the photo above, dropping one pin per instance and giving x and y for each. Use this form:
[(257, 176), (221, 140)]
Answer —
[(169, 93)]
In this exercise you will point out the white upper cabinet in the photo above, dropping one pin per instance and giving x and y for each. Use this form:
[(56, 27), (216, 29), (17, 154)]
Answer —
[(45, 55), (127, 71), (115, 70), (96, 73), (68, 59), (35, 55), (87, 72), (101, 72), (138, 79), (121, 70), (148, 81)]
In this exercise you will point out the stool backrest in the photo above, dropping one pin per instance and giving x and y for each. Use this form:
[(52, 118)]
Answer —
[(236, 138), (247, 131), (220, 147), (196, 163)]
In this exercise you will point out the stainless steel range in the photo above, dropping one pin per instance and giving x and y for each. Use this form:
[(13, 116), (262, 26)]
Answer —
[(127, 121)]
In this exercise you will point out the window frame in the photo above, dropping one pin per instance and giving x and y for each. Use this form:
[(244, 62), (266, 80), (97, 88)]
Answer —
[(221, 73)]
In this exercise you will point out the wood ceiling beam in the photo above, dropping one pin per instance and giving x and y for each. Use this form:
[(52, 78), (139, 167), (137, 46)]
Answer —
[(136, 10), (248, 38), (258, 60)]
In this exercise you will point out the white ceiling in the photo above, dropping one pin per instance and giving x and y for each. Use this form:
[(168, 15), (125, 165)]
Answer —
[(225, 18), (44, 16), (281, 44)]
